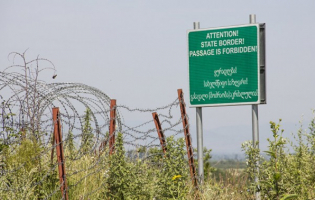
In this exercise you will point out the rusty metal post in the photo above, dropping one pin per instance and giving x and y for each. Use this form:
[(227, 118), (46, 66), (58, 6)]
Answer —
[(112, 125), (187, 137), (159, 131), (60, 155), (23, 133), (102, 147), (52, 149)]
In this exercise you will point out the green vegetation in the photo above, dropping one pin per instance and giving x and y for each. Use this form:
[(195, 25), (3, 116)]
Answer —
[(87, 133), (28, 173), (285, 175)]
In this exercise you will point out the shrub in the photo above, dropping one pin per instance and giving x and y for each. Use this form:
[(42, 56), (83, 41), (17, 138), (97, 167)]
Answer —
[(173, 177)]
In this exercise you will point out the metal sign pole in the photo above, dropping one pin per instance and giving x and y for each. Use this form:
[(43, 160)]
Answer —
[(199, 133), (255, 128), (200, 143)]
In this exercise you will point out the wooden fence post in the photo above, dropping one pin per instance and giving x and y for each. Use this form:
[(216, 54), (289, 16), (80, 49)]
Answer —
[(60, 155), (187, 137), (159, 131), (112, 125)]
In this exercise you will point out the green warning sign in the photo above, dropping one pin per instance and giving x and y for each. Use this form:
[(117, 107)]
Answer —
[(224, 66)]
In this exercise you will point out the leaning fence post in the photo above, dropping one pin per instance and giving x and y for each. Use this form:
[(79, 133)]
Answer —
[(52, 149), (60, 155), (187, 137), (159, 131), (112, 125), (102, 146)]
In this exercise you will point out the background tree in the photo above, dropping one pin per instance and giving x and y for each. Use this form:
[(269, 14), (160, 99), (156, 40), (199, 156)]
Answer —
[(87, 133)]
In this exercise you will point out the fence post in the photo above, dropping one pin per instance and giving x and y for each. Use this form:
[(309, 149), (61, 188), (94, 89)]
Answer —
[(52, 149), (60, 155), (112, 125), (187, 137), (23, 133), (102, 146), (159, 131)]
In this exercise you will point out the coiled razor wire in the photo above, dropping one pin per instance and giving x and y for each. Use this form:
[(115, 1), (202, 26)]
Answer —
[(26, 113)]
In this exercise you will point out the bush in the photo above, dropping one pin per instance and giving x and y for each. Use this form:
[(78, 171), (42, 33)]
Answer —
[(173, 176), (28, 173)]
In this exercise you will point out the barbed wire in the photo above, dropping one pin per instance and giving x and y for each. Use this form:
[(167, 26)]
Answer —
[(26, 125)]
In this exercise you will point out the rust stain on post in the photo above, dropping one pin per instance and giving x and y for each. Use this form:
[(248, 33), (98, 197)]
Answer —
[(102, 147), (159, 131), (60, 155), (52, 149), (187, 137), (112, 125)]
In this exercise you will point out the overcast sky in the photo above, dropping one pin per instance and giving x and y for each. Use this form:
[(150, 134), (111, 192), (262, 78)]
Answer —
[(136, 52)]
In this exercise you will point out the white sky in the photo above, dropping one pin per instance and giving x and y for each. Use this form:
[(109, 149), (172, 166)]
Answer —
[(136, 52)]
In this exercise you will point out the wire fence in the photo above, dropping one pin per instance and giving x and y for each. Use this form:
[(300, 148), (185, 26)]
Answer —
[(87, 128)]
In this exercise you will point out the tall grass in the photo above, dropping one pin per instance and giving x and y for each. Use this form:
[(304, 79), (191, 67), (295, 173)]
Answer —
[(27, 172)]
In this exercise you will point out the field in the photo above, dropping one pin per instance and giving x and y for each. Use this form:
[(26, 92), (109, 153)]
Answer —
[(149, 174), (101, 156)]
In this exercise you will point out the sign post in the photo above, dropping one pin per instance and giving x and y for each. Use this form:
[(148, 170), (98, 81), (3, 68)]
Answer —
[(255, 127), (199, 133), (226, 67)]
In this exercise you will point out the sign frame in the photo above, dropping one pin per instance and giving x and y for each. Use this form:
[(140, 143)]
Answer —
[(261, 75)]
